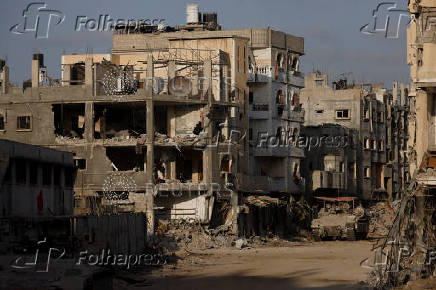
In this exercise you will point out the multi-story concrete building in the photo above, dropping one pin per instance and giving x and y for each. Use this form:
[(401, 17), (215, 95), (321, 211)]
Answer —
[(161, 125), (372, 163), (35, 181), (421, 48)]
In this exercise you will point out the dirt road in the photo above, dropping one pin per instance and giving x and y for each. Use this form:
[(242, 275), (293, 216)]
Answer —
[(323, 265)]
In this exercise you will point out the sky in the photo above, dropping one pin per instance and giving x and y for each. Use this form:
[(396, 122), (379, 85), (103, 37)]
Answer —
[(334, 43)]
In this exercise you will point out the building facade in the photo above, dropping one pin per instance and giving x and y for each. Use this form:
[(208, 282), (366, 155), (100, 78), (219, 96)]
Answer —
[(162, 125), (35, 181), (373, 163)]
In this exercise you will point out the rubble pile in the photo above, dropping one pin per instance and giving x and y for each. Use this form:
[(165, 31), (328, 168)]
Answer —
[(191, 236), (381, 216), (266, 216), (404, 254)]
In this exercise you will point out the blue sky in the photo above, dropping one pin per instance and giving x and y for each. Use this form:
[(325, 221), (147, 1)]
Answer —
[(334, 43)]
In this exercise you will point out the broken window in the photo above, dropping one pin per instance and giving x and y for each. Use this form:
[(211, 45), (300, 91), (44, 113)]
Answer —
[(189, 166), (80, 164), (366, 172), (373, 145), (279, 59), (69, 120), (380, 117), (24, 123), (280, 100), (343, 114), (319, 111), (77, 74), (225, 164), (366, 142), (366, 114), (294, 63), (126, 120), (2, 122), (125, 158), (380, 145)]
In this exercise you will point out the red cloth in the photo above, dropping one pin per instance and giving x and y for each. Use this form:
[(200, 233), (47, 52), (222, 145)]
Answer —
[(39, 201)]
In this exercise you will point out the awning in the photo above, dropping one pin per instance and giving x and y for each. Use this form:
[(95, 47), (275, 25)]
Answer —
[(344, 198)]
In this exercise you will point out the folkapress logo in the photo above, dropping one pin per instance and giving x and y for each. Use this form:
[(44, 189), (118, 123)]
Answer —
[(387, 20), (37, 20)]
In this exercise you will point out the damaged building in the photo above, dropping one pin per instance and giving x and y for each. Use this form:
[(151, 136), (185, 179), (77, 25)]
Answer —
[(166, 123), (361, 137)]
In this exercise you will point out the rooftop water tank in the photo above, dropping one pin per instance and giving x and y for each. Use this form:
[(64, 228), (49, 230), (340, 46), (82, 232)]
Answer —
[(192, 13)]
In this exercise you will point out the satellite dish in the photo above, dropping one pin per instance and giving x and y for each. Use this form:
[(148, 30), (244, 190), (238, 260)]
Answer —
[(180, 86)]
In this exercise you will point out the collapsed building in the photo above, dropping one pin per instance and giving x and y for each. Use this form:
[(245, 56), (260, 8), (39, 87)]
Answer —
[(164, 124), (414, 225), (360, 133)]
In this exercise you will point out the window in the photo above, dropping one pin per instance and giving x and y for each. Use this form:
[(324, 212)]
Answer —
[(279, 59), (70, 174), (80, 163), (366, 172), (294, 65), (20, 171), (57, 176), (366, 143), (280, 100), (380, 117), (250, 134), (366, 114), (380, 145), (250, 97), (343, 114), (319, 111), (373, 145), (341, 166), (24, 123), (46, 174), (2, 122), (33, 172)]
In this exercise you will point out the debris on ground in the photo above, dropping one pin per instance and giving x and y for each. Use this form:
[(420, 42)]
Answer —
[(240, 243), (381, 216)]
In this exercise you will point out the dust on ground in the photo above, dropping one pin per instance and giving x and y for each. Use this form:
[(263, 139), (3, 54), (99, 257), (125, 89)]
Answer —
[(294, 265)]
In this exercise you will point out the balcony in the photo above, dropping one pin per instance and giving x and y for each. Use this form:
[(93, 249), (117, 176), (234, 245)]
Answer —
[(259, 111), (328, 179), (260, 74), (295, 79), (293, 116)]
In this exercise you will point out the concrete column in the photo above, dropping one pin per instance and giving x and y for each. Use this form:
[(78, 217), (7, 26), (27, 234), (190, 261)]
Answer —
[(395, 93), (235, 211), (5, 80), (89, 122), (66, 75), (35, 73), (88, 71), (402, 95), (208, 80), (171, 69), (171, 129), (150, 148)]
